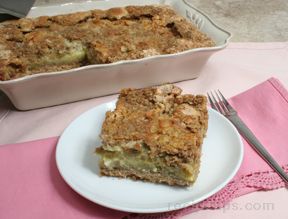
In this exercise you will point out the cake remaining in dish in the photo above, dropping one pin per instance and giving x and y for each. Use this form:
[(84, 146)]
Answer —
[(154, 134), (55, 43)]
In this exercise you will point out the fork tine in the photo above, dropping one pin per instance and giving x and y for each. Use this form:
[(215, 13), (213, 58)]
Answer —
[(216, 103), (227, 104), (221, 102), (211, 102)]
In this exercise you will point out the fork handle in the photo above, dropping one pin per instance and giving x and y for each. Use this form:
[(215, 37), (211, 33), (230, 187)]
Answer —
[(257, 146)]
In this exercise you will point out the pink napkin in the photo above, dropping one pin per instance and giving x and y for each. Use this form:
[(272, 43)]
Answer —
[(31, 187)]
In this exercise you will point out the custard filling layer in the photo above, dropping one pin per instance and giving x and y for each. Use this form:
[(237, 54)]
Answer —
[(142, 163)]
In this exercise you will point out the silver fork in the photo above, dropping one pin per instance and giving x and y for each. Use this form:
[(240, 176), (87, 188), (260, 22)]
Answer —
[(220, 104)]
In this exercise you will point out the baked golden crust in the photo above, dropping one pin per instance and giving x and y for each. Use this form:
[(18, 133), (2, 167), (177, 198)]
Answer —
[(46, 44), (162, 126)]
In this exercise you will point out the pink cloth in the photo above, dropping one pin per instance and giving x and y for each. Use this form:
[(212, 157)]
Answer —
[(31, 186)]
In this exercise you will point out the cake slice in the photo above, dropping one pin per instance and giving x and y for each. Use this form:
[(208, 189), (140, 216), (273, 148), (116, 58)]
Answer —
[(154, 134)]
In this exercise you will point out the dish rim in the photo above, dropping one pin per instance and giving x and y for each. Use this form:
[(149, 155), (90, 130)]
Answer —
[(132, 61)]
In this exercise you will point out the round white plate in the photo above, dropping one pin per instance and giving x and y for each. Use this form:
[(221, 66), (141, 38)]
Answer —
[(222, 155)]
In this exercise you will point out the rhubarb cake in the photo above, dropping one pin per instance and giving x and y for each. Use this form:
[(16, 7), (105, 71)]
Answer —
[(155, 134), (54, 43)]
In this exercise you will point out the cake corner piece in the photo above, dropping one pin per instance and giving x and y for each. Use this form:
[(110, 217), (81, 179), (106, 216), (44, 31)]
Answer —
[(155, 134)]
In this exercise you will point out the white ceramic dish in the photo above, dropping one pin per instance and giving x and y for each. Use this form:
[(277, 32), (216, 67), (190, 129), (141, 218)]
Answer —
[(221, 158), (48, 89)]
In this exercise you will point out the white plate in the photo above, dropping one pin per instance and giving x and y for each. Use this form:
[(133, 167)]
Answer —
[(221, 157)]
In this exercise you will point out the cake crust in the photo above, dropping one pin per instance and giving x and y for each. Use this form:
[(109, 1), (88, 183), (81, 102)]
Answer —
[(55, 43)]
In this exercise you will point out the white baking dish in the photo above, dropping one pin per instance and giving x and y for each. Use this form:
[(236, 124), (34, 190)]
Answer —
[(48, 89)]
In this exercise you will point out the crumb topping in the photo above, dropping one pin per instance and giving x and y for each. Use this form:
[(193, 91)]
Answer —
[(159, 118), (96, 36)]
